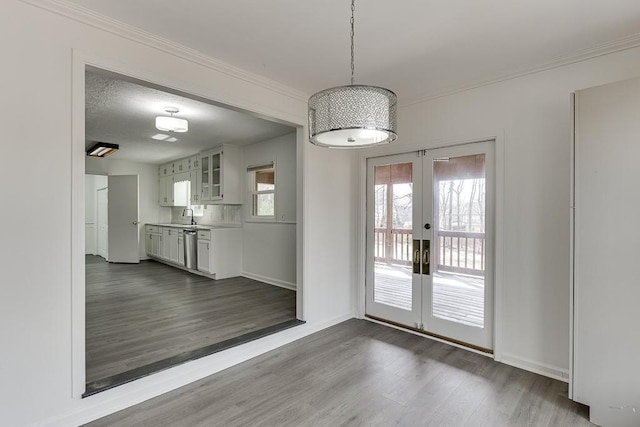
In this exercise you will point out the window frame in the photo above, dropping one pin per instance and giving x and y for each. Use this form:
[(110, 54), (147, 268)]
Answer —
[(254, 193)]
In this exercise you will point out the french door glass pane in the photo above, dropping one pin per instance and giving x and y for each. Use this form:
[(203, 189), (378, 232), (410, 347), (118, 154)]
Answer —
[(459, 189), (393, 210)]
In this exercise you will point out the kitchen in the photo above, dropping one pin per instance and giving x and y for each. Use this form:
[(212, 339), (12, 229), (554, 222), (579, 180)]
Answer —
[(231, 174)]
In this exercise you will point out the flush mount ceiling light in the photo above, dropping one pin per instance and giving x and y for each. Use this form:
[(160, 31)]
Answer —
[(170, 123), (102, 149), (352, 116)]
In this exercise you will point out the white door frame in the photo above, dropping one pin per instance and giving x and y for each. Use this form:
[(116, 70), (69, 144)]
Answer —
[(360, 207), (99, 214), (82, 59)]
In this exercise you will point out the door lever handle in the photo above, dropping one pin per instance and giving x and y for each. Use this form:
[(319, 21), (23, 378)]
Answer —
[(416, 256), (426, 257)]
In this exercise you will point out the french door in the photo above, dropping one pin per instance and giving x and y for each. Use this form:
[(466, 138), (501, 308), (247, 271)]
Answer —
[(430, 241)]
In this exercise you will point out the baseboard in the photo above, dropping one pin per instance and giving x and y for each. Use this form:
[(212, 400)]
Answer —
[(271, 281), (550, 371), (126, 395)]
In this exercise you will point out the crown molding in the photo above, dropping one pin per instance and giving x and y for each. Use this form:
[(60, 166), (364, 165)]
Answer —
[(603, 49), (88, 17)]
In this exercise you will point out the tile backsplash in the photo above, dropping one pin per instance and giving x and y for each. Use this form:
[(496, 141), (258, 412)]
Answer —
[(228, 215)]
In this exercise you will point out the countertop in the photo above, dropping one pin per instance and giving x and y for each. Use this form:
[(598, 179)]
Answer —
[(193, 227)]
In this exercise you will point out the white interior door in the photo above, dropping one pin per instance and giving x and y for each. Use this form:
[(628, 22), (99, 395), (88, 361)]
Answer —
[(430, 241), (103, 224), (124, 236)]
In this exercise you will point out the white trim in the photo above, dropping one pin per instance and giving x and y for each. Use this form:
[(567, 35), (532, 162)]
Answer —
[(102, 22), (146, 388), (498, 231), (78, 355), (360, 234), (572, 231), (430, 337), (550, 371), (624, 43), (271, 281), (87, 16), (302, 202)]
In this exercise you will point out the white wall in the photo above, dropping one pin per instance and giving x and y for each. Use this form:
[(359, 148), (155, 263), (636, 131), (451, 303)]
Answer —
[(269, 248), (149, 211), (36, 318), (533, 114)]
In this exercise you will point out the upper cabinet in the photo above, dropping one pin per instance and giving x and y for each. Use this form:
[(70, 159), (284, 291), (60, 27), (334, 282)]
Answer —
[(214, 177), (220, 176), (165, 189)]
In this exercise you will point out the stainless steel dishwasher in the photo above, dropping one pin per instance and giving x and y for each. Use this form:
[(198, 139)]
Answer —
[(190, 248)]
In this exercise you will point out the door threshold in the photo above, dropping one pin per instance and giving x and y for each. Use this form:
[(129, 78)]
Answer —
[(466, 345), (103, 384)]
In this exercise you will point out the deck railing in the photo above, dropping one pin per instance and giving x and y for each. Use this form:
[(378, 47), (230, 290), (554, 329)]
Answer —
[(455, 251), (393, 247), (461, 252)]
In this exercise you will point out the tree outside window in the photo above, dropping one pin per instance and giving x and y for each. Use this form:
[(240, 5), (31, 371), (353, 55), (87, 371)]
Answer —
[(263, 191)]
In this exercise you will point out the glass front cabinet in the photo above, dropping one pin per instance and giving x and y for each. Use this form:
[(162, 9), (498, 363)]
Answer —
[(220, 177)]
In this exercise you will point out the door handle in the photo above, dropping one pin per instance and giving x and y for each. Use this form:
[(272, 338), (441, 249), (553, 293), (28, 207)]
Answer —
[(136, 222), (426, 257), (416, 256)]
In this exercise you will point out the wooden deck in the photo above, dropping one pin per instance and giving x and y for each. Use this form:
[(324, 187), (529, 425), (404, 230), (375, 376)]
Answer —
[(456, 297)]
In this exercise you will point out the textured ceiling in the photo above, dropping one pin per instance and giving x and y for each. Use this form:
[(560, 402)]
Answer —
[(414, 47), (122, 110)]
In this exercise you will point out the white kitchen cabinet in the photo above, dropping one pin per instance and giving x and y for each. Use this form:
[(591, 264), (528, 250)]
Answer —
[(165, 191), (166, 169), (180, 166), (170, 243), (180, 247), (194, 162), (152, 240), (220, 252), (196, 187), (204, 257), (221, 176)]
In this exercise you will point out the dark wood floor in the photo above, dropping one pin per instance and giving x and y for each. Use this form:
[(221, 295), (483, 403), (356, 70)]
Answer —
[(137, 314), (361, 373)]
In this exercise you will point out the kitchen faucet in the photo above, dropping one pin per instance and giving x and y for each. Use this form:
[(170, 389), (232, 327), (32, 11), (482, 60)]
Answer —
[(188, 209)]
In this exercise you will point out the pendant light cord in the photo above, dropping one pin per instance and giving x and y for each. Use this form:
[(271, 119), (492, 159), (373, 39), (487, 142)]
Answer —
[(353, 8)]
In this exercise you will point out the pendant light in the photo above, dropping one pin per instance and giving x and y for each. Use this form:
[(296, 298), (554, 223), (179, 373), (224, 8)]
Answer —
[(352, 116), (170, 123)]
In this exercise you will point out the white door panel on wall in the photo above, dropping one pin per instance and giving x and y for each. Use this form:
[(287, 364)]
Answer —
[(606, 252)]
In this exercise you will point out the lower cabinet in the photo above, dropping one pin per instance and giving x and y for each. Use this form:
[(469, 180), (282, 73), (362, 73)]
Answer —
[(180, 248), (204, 257), (219, 250), (170, 243), (152, 240)]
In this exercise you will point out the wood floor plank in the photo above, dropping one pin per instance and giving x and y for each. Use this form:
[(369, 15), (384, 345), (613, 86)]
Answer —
[(138, 314), (362, 373)]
